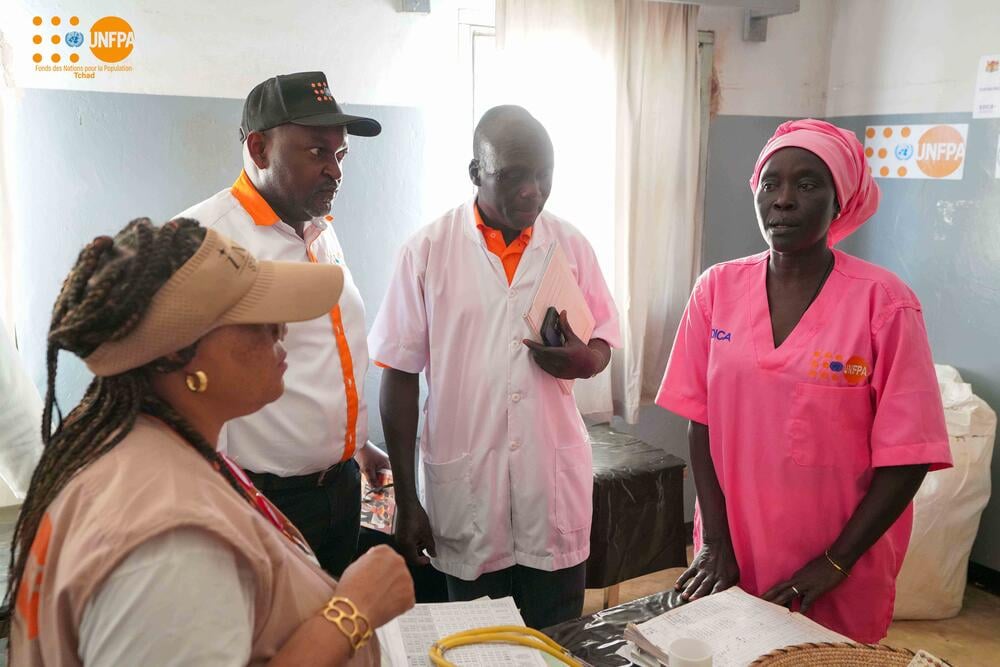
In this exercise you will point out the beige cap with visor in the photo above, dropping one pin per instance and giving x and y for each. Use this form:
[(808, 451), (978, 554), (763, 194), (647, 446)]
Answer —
[(221, 284)]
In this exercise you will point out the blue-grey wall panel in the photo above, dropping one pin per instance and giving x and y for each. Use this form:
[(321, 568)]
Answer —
[(730, 229), (943, 238), (86, 163)]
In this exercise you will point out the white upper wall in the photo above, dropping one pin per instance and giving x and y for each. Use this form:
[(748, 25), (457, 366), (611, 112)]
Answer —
[(783, 76), (372, 53), (909, 56), (831, 58)]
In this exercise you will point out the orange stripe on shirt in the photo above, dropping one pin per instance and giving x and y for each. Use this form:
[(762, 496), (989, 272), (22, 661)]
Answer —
[(29, 595), (347, 369), (251, 200)]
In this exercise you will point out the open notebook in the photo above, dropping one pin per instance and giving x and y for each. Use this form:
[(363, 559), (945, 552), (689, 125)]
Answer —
[(558, 288), (738, 626), (406, 640)]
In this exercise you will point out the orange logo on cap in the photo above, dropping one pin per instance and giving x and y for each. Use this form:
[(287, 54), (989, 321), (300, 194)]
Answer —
[(322, 91), (940, 151)]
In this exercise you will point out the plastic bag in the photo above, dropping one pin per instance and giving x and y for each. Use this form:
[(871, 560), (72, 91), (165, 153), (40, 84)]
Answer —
[(947, 508)]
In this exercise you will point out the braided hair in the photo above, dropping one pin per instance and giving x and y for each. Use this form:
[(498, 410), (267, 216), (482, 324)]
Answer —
[(102, 299)]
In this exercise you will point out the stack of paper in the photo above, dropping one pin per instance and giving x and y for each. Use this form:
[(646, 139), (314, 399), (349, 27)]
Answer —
[(738, 626), (406, 640), (558, 289)]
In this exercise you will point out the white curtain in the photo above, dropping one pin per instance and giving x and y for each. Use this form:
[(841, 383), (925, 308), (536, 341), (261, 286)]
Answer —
[(615, 82)]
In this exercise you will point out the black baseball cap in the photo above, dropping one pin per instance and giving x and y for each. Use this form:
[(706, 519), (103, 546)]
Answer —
[(302, 98)]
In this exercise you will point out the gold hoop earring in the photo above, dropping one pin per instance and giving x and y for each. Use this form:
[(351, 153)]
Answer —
[(196, 382)]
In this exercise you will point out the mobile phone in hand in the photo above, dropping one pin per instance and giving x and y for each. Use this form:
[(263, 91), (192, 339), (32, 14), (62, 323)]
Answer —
[(551, 332)]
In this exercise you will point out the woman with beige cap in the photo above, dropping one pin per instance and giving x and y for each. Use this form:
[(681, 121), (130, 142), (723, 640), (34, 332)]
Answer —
[(141, 544)]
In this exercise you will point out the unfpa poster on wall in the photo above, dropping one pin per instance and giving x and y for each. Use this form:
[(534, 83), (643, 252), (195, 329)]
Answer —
[(916, 151)]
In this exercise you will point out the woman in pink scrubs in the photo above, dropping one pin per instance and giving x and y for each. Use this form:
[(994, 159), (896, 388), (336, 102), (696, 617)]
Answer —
[(814, 410)]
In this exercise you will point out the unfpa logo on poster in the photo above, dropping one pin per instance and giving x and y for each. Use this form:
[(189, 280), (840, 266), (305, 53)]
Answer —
[(916, 151)]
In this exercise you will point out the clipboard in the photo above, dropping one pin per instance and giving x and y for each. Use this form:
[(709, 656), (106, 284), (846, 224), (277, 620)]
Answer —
[(557, 287)]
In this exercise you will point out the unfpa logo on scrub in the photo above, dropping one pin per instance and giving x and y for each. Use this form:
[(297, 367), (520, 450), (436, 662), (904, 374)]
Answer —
[(111, 39)]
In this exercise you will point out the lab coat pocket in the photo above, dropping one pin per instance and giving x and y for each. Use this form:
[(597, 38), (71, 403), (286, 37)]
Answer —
[(830, 427), (574, 488), (451, 508)]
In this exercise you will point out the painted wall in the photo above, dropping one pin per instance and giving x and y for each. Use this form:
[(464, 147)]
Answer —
[(908, 56), (898, 61), (943, 239), (112, 157), (783, 76), (223, 48), (372, 54), (107, 156)]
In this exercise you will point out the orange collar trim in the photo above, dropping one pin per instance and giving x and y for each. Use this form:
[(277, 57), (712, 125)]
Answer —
[(254, 204), (483, 227)]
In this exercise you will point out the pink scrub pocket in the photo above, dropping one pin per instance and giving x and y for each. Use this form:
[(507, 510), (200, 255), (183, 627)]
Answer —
[(830, 427)]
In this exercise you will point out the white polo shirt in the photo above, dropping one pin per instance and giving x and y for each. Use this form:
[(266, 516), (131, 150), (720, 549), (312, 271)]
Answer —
[(321, 418), (505, 461)]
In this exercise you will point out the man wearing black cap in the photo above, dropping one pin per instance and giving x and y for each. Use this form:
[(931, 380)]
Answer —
[(304, 450)]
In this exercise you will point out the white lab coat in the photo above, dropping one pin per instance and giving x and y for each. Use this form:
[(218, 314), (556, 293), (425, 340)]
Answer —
[(505, 462)]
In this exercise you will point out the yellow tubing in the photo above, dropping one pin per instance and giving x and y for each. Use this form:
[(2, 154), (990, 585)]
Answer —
[(499, 634)]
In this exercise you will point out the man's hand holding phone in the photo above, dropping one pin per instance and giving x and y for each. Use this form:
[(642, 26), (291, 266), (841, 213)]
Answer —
[(563, 354)]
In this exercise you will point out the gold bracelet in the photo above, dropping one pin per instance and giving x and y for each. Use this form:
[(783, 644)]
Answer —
[(834, 563), (355, 625)]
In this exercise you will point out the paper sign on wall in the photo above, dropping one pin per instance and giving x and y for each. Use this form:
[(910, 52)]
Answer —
[(987, 100), (996, 173), (916, 151)]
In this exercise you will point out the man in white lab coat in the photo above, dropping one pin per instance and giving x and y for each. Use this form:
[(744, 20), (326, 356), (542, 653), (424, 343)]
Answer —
[(503, 506)]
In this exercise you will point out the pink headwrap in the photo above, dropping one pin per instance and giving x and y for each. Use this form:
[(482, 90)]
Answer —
[(857, 192)]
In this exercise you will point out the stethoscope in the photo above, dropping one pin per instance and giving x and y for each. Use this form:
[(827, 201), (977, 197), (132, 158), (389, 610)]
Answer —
[(500, 634)]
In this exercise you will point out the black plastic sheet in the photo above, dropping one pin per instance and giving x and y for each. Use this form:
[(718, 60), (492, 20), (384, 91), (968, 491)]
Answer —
[(638, 525), (595, 639)]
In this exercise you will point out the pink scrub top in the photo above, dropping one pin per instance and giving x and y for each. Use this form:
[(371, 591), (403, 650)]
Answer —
[(796, 432)]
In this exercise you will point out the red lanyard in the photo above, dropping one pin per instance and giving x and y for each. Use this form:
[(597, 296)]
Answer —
[(264, 506)]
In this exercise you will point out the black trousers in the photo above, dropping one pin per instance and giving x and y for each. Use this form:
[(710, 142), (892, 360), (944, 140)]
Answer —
[(327, 513), (544, 598)]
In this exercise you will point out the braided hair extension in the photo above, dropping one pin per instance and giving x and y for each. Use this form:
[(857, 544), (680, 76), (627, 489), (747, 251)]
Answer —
[(103, 298)]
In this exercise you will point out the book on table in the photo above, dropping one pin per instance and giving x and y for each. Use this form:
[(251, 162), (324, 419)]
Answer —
[(738, 626), (407, 639)]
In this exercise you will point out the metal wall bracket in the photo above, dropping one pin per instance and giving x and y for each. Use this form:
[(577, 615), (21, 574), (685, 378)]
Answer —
[(755, 20)]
